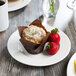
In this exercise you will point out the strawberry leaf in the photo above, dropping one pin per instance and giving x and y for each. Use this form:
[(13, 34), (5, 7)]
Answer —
[(54, 30), (48, 46)]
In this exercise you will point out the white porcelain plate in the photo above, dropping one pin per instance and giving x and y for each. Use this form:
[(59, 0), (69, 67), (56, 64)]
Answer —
[(18, 4), (70, 67), (16, 49)]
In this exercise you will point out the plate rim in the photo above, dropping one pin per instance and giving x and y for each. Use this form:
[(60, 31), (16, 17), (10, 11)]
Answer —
[(69, 61), (11, 10), (40, 65)]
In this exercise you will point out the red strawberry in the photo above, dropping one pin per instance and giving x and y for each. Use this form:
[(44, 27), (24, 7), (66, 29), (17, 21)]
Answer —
[(54, 36), (52, 48)]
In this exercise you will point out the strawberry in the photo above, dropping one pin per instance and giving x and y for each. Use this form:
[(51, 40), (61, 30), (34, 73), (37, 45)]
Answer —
[(52, 48), (54, 36)]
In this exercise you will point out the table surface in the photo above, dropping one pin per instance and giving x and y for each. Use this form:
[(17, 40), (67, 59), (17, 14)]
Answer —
[(10, 67)]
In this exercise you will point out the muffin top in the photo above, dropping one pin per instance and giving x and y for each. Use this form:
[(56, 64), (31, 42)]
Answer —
[(34, 34)]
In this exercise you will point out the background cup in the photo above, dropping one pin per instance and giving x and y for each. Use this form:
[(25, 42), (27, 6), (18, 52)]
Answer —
[(4, 22)]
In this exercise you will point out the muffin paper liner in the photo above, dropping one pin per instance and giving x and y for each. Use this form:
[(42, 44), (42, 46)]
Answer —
[(30, 46)]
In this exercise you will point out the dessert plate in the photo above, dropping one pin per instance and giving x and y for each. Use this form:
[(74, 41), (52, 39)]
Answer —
[(16, 49), (17, 4), (70, 67)]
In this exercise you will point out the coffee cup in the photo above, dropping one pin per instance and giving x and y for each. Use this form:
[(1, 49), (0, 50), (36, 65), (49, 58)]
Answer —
[(4, 22)]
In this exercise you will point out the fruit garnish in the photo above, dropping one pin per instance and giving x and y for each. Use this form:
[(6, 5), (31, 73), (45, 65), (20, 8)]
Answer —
[(54, 36), (52, 48), (75, 65)]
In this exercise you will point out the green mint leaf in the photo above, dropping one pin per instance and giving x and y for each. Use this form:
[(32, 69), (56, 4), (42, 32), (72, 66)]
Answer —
[(52, 6)]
